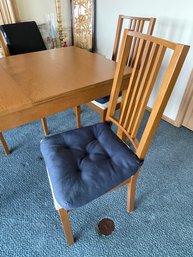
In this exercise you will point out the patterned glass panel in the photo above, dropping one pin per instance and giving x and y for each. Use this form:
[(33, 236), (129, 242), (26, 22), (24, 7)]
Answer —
[(83, 23)]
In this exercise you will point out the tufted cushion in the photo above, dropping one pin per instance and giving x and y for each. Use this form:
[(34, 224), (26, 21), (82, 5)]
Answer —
[(85, 163)]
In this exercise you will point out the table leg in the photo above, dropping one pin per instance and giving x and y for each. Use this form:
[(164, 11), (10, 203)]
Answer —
[(77, 113), (4, 144), (44, 126)]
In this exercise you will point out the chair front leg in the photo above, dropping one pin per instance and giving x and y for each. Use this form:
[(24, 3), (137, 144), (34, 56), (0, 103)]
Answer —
[(4, 144), (66, 226), (131, 192)]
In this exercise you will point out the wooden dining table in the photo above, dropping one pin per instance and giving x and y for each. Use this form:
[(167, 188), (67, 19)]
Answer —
[(35, 85)]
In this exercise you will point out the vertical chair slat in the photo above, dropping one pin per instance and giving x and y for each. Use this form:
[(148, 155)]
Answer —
[(133, 55), (142, 22), (132, 81), (151, 26), (153, 66), (135, 27), (137, 83), (136, 44), (141, 83), (134, 21)]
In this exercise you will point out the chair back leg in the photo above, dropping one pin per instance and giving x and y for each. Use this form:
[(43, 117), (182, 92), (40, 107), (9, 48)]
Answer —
[(131, 192), (66, 226)]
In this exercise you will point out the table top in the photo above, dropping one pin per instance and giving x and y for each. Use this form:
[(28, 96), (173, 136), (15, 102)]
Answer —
[(33, 79)]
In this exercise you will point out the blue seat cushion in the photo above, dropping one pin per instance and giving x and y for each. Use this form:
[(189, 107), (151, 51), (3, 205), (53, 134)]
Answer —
[(85, 163), (103, 100)]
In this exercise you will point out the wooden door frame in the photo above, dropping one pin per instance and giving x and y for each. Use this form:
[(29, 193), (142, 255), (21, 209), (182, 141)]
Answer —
[(185, 102)]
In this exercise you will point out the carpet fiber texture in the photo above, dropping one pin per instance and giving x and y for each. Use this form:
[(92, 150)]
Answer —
[(161, 225)]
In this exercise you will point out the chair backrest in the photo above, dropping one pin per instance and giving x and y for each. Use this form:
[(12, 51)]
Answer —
[(150, 54), (139, 24), (22, 37)]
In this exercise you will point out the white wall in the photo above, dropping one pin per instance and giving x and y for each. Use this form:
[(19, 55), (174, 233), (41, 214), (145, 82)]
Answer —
[(37, 9), (174, 22)]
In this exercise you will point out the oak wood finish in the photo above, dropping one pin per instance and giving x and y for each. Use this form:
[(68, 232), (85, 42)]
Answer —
[(51, 81), (149, 55), (66, 225), (77, 113), (43, 120), (5, 53), (44, 126), (4, 144), (138, 24), (131, 192)]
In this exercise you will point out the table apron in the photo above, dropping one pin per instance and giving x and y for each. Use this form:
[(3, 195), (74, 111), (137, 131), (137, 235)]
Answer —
[(52, 106)]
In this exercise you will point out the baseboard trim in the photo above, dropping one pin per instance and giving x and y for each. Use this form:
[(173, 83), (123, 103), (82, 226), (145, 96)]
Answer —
[(169, 120)]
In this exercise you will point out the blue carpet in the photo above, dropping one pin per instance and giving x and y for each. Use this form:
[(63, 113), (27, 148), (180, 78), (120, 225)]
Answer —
[(161, 225)]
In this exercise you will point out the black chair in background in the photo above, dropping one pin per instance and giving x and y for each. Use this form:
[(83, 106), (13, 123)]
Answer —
[(22, 37)]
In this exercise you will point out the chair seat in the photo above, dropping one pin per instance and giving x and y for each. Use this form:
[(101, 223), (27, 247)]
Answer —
[(85, 163), (103, 100), (103, 103)]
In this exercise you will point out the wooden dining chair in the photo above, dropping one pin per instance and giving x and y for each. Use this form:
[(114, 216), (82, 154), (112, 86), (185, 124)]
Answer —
[(85, 163), (139, 24), (20, 38)]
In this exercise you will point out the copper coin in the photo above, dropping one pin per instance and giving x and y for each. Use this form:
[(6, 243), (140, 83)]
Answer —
[(106, 226)]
